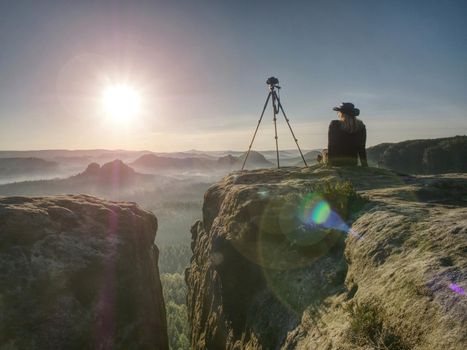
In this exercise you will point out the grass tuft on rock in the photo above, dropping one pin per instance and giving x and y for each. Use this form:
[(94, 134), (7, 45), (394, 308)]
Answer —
[(367, 327), (342, 196)]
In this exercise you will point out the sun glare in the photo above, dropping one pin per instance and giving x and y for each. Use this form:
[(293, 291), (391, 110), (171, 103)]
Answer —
[(121, 102)]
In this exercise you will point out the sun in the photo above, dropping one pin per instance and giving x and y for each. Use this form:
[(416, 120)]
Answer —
[(121, 102)]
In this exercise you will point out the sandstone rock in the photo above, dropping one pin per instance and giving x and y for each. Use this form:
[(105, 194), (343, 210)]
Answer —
[(425, 156), (115, 172), (260, 278), (92, 169), (78, 272)]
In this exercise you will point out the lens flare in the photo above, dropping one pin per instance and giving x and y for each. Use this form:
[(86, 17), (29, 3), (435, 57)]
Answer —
[(457, 289), (263, 193), (316, 211), (321, 212), (307, 206)]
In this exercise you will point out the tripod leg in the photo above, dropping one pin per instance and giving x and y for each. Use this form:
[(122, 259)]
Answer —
[(274, 96), (257, 127), (290, 127)]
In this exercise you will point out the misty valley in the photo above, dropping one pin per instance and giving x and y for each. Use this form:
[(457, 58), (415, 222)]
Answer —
[(171, 185)]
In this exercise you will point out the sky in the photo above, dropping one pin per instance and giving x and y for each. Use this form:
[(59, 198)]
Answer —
[(200, 68)]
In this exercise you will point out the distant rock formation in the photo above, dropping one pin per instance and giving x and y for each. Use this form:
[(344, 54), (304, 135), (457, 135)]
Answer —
[(154, 162), (78, 272), (111, 172), (22, 166), (93, 169), (228, 162), (113, 180), (265, 275), (309, 156), (255, 160), (430, 156)]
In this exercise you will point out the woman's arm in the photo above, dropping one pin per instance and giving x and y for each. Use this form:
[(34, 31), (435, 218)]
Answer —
[(332, 139), (362, 149)]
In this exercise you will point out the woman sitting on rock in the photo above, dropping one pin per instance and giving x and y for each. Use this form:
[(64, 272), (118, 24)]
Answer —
[(347, 137)]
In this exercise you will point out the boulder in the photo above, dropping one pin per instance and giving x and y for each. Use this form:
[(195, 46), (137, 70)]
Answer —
[(78, 272), (330, 258)]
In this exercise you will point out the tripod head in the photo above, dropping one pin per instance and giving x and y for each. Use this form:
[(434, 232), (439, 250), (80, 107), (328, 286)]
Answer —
[(272, 83)]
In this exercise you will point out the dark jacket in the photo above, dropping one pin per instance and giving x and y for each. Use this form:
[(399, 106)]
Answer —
[(344, 148)]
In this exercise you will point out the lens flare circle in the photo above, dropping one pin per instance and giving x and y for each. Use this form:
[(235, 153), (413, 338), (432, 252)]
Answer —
[(314, 210), (321, 212)]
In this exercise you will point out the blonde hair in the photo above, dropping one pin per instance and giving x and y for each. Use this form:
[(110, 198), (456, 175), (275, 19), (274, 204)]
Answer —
[(348, 122)]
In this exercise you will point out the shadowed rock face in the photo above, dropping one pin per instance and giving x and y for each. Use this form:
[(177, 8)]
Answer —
[(429, 156), (261, 279), (77, 272)]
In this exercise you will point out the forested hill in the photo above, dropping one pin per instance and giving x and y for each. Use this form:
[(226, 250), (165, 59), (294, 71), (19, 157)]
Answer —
[(430, 156)]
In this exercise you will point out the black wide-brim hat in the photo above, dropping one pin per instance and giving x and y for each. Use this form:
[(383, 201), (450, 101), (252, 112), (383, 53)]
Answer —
[(347, 108)]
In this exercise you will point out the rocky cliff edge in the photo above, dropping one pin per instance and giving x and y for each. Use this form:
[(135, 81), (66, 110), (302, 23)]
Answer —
[(78, 272), (330, 258)]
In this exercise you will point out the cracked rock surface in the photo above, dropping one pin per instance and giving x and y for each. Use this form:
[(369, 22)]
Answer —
[(79, 272), (259, 279)]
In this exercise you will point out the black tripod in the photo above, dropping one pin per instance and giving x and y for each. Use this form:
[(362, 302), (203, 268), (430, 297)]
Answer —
[(276, 106)]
